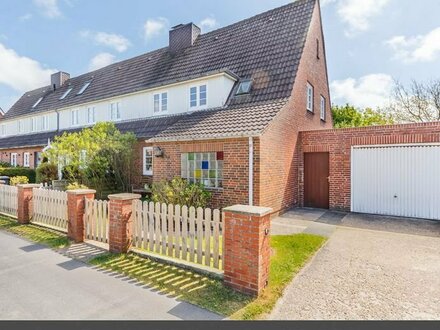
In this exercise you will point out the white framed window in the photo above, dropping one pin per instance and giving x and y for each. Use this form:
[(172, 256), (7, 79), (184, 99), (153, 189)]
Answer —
[(198, 96), (2, 130), (115, 111), (91, 115), (148, 161), (26, 159), (309, 97), (323, 104), (44, 122), (14, 159), (74, 117), (160, 102), (33, 124), (20, 126)]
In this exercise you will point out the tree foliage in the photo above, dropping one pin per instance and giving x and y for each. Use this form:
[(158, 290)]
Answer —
[(100, 157), (420, 102), (349, 116)]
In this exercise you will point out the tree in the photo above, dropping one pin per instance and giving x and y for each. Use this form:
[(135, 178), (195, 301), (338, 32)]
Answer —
[(420, 102), (100, 157), (349, 116)]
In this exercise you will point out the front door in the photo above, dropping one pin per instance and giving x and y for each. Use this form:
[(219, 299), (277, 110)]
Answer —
[(316, 185)]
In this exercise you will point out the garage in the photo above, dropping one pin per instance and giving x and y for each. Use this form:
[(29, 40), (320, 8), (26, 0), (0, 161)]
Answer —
[(397, 180)]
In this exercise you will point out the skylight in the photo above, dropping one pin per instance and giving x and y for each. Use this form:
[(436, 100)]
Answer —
[(244, 87), (66, 93), (82, 90), (37, 103)]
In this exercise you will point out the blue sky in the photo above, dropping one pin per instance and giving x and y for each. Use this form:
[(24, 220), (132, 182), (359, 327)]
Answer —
[(369, 42)]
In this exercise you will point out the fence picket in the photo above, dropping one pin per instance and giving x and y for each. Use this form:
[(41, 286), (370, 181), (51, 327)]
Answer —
[(50, 208), (96, 219), (207, 231), (215, 242), (192, 232), (151, 225), (157, 227), (199, 235), (8, 200), (170, 230), (177, 231), (184, 232)]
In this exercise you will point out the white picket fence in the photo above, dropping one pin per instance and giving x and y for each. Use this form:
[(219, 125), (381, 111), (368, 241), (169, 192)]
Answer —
[(8, 200), (179, 232), (50, 209), (96, 220)]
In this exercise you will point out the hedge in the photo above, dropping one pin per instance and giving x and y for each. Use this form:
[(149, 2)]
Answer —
[(18, 171)]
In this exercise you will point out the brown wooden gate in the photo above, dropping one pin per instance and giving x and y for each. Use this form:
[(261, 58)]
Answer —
[(316, 185)]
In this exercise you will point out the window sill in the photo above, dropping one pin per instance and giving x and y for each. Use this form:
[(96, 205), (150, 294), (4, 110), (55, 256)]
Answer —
[(147, 174), (310, 111)]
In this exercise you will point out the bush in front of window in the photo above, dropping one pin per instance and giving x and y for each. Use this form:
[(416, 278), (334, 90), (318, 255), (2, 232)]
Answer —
[(19, 180), (18, 171), (179, 191), (46, 173)]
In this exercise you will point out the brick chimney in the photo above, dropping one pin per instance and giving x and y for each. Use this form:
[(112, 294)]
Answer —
[(58, 79), (183, 36)]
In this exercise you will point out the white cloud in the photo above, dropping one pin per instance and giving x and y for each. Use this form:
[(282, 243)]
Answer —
[(372, 90), (21, 73), (49, 8), (115, 41), (422, 48), (357, 14), (101, 60), (208, 23), (154, 27), (25, 17)]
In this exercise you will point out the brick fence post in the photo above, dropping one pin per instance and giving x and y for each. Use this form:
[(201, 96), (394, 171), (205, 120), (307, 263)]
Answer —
[(247, 248), (24, 202), (76, 203), (120, 222)]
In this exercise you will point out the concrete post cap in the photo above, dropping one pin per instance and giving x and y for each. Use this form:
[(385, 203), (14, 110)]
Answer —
[(28, 185), (124, 197), (81, 191), (249, 210)]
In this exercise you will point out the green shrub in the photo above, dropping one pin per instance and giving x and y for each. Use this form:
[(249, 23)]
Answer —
[(76, 186), (18, 171), (47, 172), (15, 180), (180, 192), (4, 164)]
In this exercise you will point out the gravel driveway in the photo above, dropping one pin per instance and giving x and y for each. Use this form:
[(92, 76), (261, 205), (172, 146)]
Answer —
[(364, 274)]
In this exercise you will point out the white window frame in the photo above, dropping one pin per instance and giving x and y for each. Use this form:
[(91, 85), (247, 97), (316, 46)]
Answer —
[(2, 130), (310, 96), (198, 105), (144, 164), (83, 88), (20, 126), (14, 159), (37, 103), (91, 112), (26, 159), (160, 104), (44, 122), (67, 92), (323, 110), (74, 117), (33, 124), (115, 116)]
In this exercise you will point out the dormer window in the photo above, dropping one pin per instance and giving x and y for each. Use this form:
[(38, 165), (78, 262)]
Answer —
[(83, 89), (244, 87), (160, 102), (198, 96), (115, 111), (37, 103), (66, 93)]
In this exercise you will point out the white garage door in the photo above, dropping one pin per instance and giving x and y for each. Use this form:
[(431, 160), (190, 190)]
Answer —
[(396, 180)]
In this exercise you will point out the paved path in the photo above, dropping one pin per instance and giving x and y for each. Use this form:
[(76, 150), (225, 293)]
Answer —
[(38, 283), (364, 274)]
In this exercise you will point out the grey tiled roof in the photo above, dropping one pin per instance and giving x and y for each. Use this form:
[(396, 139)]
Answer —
[(266, 47)]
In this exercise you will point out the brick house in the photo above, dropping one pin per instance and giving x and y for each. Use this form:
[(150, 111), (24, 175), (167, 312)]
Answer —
[(223, 108)]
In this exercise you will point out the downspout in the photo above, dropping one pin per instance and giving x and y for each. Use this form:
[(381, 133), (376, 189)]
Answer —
[(251, 171)]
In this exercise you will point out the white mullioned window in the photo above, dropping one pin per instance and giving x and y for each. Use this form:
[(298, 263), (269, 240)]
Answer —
[(91, 115), (2, 130), (44, 122), (33, 124), (74, 117), (323, 110), (20, 126), (148, 161), (309, 97), (26, 159), (198, 96), (115, 111), (160, 101), (14, 159)]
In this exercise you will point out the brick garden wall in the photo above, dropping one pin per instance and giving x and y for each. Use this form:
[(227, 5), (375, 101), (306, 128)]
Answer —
[(338, 143), (279, 172), (235, 169)]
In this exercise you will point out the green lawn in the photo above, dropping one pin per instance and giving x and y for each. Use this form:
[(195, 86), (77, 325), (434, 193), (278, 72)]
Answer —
[(290, 255), (36, 234)]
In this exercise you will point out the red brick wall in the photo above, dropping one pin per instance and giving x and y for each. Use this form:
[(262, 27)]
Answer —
[(338, 143), (235, 169), (5, 155), (279, 158)]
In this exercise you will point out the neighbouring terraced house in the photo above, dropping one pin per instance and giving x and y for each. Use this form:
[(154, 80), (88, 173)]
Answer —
[(223, 108)]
